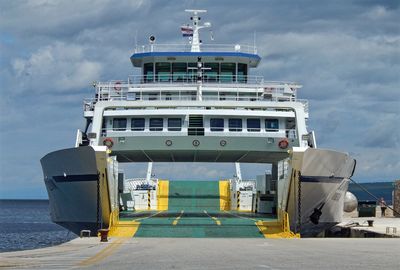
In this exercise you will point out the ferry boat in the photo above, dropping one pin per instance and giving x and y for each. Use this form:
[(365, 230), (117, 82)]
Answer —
[(196, 103)]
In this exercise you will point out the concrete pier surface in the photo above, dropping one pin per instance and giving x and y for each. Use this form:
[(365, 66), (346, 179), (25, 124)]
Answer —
[(382, 227), (211, 253)]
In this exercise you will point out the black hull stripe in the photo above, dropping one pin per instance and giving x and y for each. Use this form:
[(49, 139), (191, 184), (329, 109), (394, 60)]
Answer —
[(76, 178), (320, 179)]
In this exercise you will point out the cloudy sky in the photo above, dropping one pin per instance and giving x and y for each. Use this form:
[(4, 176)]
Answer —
[(345, 53)]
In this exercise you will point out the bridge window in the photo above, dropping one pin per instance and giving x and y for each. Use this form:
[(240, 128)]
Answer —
[(148, 72), (242, 72), (119, 124), (217, 124), (174, 124), (156, 124), (192, 71), (253, 125), (211, 72), (163, 71), (137, 124), (235, 124), (271, 124), (179, 72), (228, 72)]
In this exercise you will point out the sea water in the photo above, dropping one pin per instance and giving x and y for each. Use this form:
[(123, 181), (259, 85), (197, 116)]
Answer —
[(379, 189), (26, 224)]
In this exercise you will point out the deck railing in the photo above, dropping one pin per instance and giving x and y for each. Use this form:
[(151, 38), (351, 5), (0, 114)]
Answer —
[(291, 134), (186, 88), (204, 48), (191, 78)]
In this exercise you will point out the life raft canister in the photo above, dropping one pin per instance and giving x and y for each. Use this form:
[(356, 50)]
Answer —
[(117, 87), (108, 142), (283, 144)]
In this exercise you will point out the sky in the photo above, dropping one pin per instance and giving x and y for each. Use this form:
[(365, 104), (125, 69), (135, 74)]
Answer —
[(345, 53)]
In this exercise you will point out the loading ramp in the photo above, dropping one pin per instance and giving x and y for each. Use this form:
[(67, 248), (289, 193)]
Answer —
[(197, 209)]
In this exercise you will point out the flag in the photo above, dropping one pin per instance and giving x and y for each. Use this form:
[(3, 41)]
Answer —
[(187, 31)]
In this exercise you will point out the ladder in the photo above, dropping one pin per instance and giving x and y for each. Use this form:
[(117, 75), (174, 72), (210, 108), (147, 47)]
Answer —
[(196, 127)]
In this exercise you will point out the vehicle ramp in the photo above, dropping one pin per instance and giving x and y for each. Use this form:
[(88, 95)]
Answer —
[(195, 209)]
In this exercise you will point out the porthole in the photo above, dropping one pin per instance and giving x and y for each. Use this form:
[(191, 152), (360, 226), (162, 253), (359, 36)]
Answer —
[(222, 143), (196, 143), (168, 142)]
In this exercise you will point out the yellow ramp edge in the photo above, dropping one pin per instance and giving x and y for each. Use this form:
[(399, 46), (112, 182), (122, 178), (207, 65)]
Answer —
[(277, 229), (162, 195), (224, 195)]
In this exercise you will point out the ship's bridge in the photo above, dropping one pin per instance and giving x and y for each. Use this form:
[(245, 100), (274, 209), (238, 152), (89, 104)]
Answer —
[(226, 63)]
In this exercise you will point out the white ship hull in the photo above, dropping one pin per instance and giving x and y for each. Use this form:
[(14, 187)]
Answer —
[(317, 191)]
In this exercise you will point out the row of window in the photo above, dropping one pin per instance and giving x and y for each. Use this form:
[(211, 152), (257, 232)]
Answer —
[(216, 124), (181, 71), (155, 124)]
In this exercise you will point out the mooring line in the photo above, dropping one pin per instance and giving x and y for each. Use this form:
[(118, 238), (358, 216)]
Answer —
[(149, 216), (253, 219)]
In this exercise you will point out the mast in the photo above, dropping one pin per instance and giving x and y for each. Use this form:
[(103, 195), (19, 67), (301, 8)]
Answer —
[(149, 171), (196, 27)]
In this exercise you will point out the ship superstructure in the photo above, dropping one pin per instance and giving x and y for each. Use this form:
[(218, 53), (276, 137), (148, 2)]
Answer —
[(197, 103)]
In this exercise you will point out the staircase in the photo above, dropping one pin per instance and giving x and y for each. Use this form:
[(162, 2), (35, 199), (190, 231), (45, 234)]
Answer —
[(196, 127)]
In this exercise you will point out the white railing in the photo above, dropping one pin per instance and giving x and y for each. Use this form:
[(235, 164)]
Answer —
[(203, 47), (139, 184), (244, 88), (262, 132), (305, 104), (192, 79)]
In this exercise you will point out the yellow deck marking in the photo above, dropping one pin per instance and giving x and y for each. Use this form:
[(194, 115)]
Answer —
[(214, 218), (177, 219), (124, 229), (104, 253), (224, 195), (162, 195)]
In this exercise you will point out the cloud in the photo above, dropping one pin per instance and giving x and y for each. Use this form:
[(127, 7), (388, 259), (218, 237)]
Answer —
[(59, 67), (345, 53)]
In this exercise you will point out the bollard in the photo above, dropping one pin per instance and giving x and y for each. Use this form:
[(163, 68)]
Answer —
[(370, 223), (103, 235), (85, 233)]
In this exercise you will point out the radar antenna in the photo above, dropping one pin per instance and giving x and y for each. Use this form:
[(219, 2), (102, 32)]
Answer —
[(196, 27)]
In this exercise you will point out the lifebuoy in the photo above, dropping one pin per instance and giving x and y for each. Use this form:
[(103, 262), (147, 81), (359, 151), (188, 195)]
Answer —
[(117, 86), (108, 142), (283, 144)]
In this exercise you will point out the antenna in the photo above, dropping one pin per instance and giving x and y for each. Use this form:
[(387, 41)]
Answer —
[(196, 27), (254, 41), (136, 44)]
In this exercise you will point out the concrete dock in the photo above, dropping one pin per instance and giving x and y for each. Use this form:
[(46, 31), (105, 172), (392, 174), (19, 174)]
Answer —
[(210, 253), (376, 226)]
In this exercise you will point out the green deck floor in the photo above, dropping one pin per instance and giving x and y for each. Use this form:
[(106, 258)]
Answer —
[(194, 211), (193, 196)]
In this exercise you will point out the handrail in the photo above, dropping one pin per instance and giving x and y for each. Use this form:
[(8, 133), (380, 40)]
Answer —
[(191, 78), (245, 48)]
